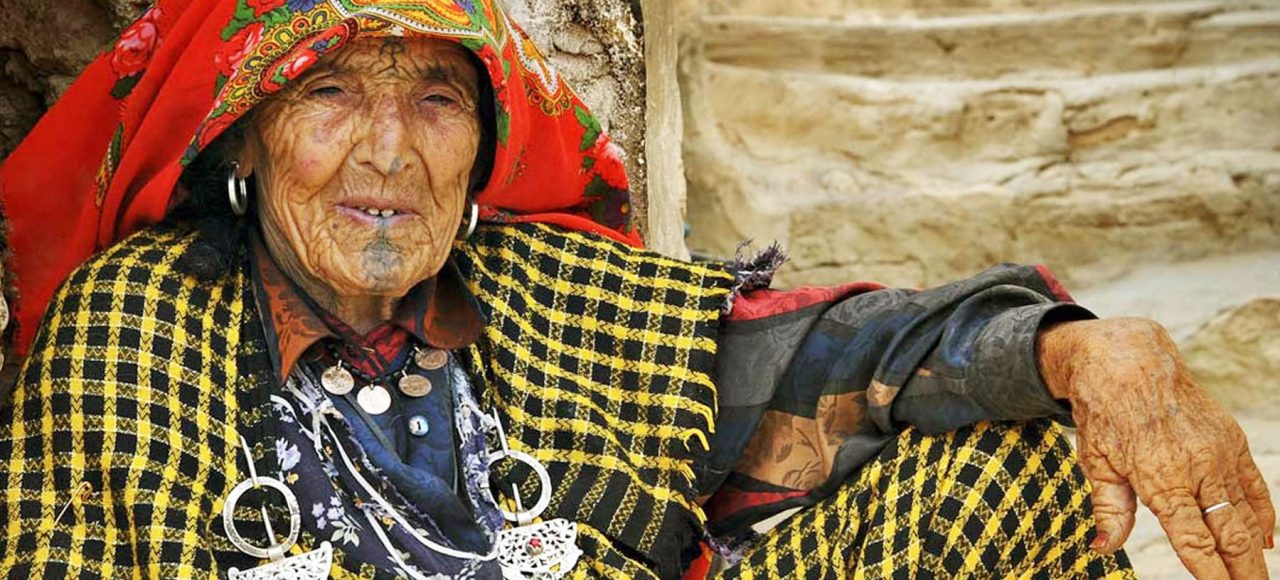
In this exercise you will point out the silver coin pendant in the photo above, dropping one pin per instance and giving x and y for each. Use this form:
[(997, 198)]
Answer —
[(415, 385), (430, 358), (374, 399), (337, 380)]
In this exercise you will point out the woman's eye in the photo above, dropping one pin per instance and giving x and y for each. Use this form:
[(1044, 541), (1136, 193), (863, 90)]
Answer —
[(438, 99), (325, 91)]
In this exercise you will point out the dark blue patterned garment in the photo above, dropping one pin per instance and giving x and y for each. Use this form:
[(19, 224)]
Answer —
[(387, 437), (391, 512)]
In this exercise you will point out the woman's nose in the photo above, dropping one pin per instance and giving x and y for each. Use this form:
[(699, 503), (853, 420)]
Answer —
[(387, 142)]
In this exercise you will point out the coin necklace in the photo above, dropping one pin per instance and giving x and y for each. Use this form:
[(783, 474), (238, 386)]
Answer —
[(338, 380), (374, 398), (415, 385)]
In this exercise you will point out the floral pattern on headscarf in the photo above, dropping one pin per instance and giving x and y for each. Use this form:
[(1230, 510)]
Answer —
[(115, 145)]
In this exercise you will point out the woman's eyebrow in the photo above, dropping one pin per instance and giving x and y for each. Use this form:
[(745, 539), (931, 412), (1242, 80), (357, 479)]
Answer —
[(440, 72)]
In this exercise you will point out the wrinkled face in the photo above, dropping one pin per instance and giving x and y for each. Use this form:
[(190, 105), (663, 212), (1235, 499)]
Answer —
[(363, 164)]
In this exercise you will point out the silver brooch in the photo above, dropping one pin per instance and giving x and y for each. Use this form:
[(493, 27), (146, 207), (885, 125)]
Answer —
[(312, 565)]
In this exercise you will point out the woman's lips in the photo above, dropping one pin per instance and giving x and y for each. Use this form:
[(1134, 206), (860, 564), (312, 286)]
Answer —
[(374, 215)]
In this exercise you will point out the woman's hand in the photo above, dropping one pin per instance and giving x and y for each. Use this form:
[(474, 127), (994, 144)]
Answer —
[(1146, 427)]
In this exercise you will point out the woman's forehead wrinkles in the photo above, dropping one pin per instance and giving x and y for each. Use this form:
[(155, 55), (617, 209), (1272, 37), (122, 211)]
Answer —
[(444, 72), (391, 54), (396, 60)]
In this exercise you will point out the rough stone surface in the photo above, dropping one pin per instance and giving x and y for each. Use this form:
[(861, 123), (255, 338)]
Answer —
[(914, 143), (666, 191), (1185, 296), (1236, 356)]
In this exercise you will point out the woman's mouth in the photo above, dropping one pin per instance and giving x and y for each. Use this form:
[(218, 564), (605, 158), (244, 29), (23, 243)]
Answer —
[(375, 215), (376, 212)]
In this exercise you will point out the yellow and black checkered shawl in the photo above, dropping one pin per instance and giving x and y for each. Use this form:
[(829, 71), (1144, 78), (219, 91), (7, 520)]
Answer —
[(127, 412)]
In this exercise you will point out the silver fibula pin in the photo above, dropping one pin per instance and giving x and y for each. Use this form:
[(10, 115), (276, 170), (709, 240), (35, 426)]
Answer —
[(543, 551), (312, 565)]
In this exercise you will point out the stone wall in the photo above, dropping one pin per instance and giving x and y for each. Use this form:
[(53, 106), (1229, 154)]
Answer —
[(883, 139), (918, 141)]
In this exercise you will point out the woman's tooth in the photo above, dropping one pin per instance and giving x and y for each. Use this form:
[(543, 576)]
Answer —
[(388, 213)]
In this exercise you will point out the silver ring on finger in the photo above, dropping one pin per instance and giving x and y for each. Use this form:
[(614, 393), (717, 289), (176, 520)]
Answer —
[(1217, 506)]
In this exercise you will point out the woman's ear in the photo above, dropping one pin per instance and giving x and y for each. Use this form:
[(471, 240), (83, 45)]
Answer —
[(246, 150), (240, 144)]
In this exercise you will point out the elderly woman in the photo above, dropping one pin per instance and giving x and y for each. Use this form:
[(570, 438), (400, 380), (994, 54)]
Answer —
[(297, 356)]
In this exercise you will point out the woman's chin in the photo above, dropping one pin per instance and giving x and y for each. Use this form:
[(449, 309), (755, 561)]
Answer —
[(374, 279)]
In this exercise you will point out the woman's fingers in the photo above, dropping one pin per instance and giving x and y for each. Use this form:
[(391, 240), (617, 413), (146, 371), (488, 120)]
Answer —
[(1258, 496), (1230, 520), (1182, 520), (1114, 503), (1236, 544)]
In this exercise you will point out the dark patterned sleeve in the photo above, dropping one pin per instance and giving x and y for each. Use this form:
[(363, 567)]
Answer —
[(985, 366), (813, 382)]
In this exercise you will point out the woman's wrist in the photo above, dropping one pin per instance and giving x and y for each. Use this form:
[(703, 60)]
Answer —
[(1057, 347)]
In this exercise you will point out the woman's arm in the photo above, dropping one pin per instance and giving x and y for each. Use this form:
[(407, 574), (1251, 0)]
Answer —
[(812, 382)]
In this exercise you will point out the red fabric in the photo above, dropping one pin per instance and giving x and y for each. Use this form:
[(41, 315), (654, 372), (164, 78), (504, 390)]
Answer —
[(700, 568), (763, 303), (104, 161), (731, 500), (1056, 288)]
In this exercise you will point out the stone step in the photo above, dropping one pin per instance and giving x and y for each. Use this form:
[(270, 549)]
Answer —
[(1089, 221), (1073, 42), (950, 135), (839, 9)]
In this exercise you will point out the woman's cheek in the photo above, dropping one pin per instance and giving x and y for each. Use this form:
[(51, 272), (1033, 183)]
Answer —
[(308, 166)]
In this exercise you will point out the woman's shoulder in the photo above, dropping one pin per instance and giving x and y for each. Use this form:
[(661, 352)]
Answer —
[(153, 251), (539, 243), (129, 316), (137, 287)]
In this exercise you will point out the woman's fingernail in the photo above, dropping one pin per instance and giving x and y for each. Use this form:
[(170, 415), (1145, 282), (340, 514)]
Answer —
[(1099, 541), (1270, 541)]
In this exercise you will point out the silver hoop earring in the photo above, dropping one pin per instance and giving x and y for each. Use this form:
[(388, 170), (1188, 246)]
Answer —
[(237, 190), (471, 225)]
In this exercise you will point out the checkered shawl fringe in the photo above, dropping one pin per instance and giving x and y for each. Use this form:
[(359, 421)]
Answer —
[(1003, 500), (600, 358), (129, 408)]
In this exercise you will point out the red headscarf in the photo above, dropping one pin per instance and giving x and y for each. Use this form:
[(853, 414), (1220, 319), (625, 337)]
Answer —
[(104, 161)]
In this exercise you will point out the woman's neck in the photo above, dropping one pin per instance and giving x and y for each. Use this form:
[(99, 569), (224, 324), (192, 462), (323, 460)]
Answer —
[(361, 313)]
